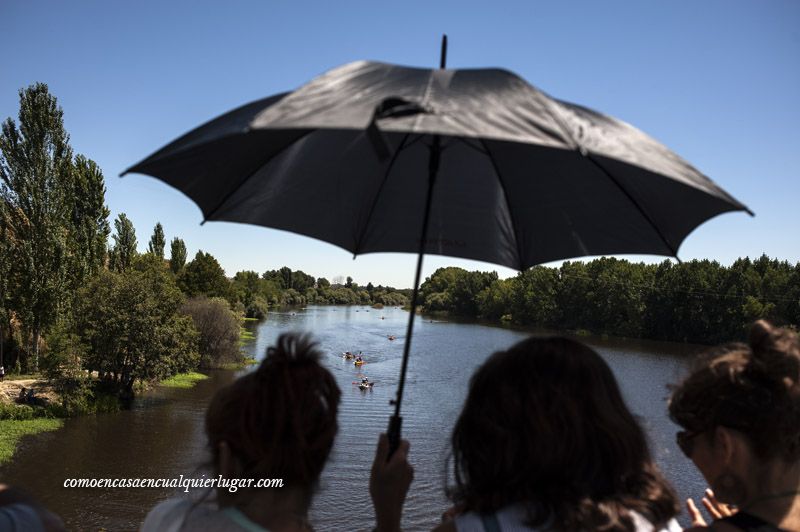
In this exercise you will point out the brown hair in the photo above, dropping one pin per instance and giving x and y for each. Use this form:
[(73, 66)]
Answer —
[(545, 425), (280, 420), (754, 389)]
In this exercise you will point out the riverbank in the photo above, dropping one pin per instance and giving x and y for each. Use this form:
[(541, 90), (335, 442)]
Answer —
[(13, 430), (183, 380), (20, 420)]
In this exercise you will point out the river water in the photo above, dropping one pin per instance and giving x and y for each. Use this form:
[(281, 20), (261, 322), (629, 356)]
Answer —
[(162, 436)]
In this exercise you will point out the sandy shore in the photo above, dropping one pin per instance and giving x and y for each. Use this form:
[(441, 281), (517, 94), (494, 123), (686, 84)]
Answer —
[(9, 389)]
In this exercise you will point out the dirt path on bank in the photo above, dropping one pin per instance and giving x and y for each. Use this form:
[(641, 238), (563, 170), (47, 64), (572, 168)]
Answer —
[(9, 389)]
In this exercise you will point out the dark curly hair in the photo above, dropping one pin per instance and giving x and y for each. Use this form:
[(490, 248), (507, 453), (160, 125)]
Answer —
[(753, 388), (545, 425), (280, 420)]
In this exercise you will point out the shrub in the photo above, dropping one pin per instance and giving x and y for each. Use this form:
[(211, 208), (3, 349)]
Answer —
[(218, 328)]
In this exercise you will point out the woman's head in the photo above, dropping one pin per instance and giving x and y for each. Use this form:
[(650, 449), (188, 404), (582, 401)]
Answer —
[(750, 391), (545, 422), (280, 420)]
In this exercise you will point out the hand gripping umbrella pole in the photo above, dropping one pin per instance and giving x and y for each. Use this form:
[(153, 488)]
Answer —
[(396, 421)]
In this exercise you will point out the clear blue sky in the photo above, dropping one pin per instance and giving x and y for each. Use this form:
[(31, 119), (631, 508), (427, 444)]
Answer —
[(716, 81)]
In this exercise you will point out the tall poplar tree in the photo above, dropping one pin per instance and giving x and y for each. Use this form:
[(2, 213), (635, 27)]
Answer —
[(157, 242), (5, 274), (89, 218), (35, 170), (177, 256), (124, 250)]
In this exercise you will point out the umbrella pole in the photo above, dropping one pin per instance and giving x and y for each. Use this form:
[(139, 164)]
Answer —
[(396, 421)]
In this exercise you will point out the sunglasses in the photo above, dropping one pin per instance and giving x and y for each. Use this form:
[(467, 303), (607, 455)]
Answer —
[(685, 441)]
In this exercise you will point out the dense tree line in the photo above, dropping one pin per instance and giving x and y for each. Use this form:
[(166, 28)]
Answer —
[(698, 301)]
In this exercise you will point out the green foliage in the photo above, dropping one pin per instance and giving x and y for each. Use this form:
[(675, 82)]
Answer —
[(698, 301), (218, 329), (130, 324), (302, 281), (177, 256), (284, 287), (36, 176), (253, 293), (184, 380), (204, 276), (13, 430), (455, 290), (124, 251), (88, 219), (157, 241)]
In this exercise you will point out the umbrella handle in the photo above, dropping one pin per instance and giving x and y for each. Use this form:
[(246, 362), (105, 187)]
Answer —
[(395, 422)]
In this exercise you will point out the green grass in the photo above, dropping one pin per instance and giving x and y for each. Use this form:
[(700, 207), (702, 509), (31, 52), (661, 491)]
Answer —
[(184, 380), (241, 365), (245, 336), (12, 431)]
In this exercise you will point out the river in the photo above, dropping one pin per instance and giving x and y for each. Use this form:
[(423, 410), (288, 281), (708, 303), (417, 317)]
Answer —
[(162, 436)]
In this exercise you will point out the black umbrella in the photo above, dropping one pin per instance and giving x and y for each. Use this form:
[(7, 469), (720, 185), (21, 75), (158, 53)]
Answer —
[(472, 163)]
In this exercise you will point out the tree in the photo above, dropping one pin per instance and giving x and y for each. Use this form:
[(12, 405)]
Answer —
[(349, 283), (252, 292), (301, 281), (5, 280), (177, 255), (130, 324), (218, 327), (285, 276), (36, 171), (204, 276), (89, 219), (157, 242), (124, 250), (323, 283)]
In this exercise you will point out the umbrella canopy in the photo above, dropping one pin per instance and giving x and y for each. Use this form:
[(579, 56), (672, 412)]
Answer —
[(523, 178), (467, 163)]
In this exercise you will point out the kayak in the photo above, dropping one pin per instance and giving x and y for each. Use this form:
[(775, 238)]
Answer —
[(367, 386), (358, 363), (348, 356)]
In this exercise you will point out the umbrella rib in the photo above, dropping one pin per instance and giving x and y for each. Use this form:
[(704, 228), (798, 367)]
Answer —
[(469, 144), (488, 153), (251, 174), (670, 247), (587, 154), (378, 193)]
